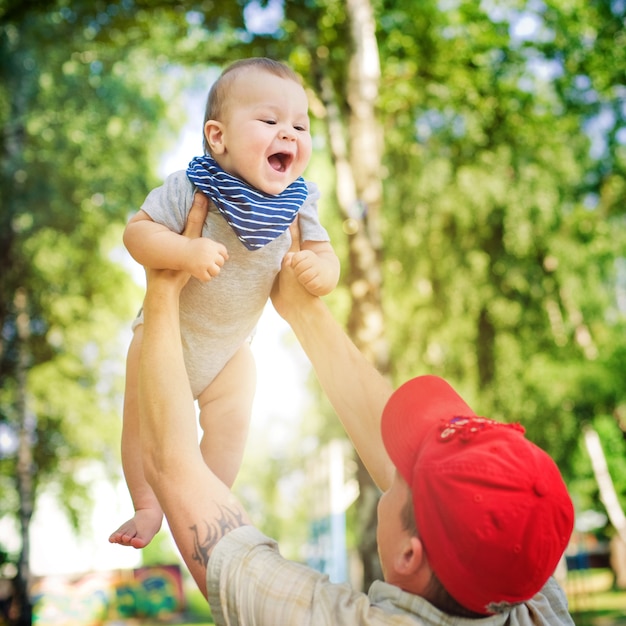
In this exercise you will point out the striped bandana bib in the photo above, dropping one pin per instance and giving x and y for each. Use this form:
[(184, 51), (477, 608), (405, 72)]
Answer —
[(256, 217)]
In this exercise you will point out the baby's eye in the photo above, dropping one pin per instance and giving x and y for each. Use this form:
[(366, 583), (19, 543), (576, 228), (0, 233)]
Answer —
[(300, 127), (271, 122)]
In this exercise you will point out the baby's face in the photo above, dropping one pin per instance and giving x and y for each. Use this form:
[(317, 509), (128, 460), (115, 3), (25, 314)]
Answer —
[(265, 137)]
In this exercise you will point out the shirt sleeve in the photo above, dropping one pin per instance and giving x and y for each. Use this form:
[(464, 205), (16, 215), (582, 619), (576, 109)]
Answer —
[(310, 227), (248, 582), (170, 203)]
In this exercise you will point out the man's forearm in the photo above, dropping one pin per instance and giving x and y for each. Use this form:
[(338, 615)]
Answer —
[(199, 508), (168, 413), (357, 391)]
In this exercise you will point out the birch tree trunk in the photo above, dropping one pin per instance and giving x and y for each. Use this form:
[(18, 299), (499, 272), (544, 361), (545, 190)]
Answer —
[(25, 468), (356, 151), (14, 310), (605, 483)]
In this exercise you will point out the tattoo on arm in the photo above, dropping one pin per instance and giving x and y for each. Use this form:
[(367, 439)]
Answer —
[(213, 532)]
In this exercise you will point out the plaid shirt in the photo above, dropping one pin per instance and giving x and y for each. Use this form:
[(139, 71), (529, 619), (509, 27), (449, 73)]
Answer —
[(250, 584)]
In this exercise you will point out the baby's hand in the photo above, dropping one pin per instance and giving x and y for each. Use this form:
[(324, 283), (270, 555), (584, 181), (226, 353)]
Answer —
[(204, 258), (308, 269)]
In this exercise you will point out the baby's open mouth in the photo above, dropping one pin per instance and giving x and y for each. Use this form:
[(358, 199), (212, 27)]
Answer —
[(280, 161)]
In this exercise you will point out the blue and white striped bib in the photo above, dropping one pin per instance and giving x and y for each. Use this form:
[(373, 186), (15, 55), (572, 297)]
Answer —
[(256, 217)]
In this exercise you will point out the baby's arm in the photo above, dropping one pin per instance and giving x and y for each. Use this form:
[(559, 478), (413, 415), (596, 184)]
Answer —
[(155, 246), (317, 267)]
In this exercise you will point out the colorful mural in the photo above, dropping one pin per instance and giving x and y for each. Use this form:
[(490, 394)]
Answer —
[(92, 599)]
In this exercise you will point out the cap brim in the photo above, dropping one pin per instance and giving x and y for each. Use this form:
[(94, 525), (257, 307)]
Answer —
[(412, 413)]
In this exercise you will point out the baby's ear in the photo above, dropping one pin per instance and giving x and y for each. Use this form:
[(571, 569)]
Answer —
[(214, 133)]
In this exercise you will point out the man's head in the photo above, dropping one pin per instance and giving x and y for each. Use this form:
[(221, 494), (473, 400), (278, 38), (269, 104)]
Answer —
[(256, 124), (491, 510)]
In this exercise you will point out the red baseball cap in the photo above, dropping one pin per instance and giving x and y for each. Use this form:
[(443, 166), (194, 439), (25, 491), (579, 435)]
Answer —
[(491, 508)]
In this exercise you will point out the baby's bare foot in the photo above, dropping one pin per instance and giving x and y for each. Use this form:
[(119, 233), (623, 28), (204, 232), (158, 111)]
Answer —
[(138, 531)]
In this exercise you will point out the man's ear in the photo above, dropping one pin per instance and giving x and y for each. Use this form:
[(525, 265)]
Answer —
[(214, 133), (411, 558)]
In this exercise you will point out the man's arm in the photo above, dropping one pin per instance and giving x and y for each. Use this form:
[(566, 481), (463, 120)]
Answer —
[(199, 508), (357, 391)]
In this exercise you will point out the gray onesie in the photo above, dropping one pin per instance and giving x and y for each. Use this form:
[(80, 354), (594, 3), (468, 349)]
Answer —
[(217, 317)]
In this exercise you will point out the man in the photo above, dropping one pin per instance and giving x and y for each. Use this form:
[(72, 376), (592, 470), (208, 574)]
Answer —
[(472, 521)]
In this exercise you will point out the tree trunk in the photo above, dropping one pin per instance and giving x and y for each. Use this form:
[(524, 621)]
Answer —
[(25, 472), (356, 152), (605, 483), (20, 79)]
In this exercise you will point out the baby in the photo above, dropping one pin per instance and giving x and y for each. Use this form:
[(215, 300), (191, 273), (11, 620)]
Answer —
[(257, 144)]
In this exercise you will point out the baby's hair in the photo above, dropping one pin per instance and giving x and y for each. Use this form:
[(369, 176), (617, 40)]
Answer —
[(218, 94)]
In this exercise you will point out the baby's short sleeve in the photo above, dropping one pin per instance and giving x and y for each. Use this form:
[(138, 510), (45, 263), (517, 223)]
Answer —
[(311, 228), (170, 203)]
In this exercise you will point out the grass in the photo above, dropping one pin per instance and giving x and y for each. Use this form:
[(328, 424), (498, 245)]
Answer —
[(593, 600)]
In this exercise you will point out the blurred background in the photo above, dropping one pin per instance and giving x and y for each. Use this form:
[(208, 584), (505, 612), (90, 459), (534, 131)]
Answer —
[(471, 156)]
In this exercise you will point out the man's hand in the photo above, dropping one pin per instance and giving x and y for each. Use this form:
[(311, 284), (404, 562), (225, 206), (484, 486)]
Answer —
[(203, 257), (356, 390)]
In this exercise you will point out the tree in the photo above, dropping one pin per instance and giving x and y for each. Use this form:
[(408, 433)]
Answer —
[(63, 294), (477, 184), (514, 278), (608, 495), (498, 181), (346, 82), (502, 228)]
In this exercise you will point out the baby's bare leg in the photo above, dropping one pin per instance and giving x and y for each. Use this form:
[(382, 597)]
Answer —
[(139, 530), (225, 407)]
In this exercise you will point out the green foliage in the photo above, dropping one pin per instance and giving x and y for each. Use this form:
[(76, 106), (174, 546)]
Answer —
[(160, 551), (505, 156), (77, 158), (197, 607), (503, 223), (503, 235)]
